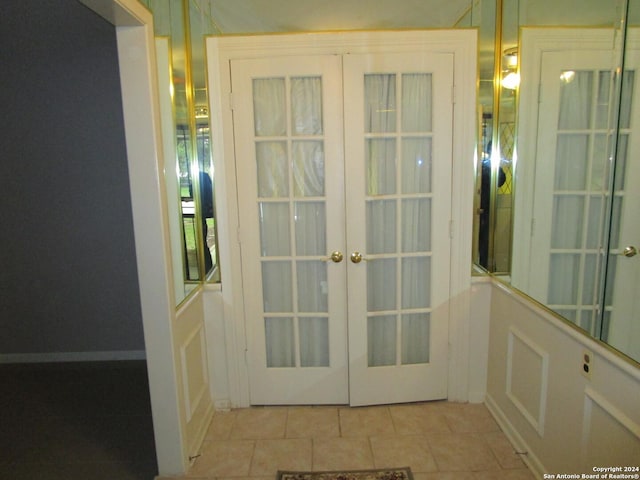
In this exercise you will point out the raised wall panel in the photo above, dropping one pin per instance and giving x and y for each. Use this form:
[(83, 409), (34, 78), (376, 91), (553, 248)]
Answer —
[(610, 437), (194, 370), (527, 375)]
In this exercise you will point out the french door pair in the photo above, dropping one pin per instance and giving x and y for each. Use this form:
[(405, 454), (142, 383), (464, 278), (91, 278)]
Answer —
[(343, 168)]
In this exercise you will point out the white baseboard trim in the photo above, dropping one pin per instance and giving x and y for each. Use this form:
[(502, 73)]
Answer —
[(51, 357), (527, 456), (477, 397)]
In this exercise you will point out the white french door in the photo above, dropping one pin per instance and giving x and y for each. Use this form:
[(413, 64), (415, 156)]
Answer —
[(288, 147), (572, 191), (344, 180), (398, 130)]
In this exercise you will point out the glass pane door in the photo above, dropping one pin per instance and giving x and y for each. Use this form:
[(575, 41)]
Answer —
[(398, 222), (289, 157)]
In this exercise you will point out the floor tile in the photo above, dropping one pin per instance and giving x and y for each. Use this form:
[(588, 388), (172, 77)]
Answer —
[(516, 474), (342, 453), (422, 418), (308, 422), (221, 426), (469, 418), (503, 450), (288, 454), (365, 421), (224, 458), (461, 452), (444, 476), (402, 450), (259, 423)]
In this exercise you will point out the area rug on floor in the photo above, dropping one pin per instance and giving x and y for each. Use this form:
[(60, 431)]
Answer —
[(403, 473)]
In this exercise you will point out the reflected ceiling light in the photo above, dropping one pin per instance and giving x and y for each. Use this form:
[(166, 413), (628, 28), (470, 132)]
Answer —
[(511, 77), (511, 80), (568, 76), (201, 112), (510, 58)]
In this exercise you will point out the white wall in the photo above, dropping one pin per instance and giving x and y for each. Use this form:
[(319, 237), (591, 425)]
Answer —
[(567, 421)]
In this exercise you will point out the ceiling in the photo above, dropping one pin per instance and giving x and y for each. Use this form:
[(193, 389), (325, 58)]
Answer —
[(251, 16)]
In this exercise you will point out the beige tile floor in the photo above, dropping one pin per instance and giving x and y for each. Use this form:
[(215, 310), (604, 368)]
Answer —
[(438, 440)]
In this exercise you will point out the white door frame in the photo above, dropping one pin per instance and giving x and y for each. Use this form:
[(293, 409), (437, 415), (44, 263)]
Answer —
[(221, 50), (137, 61)]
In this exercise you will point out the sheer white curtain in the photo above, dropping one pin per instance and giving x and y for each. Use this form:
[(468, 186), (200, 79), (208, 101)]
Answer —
[(580, 188), (398, 163), (290, 183)]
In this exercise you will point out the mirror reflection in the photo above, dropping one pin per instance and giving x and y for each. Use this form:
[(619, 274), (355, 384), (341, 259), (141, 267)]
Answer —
[(556, 175), (180, 27), (562, 132)]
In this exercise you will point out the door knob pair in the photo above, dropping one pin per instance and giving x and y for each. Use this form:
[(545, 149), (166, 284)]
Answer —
[(336, 257)]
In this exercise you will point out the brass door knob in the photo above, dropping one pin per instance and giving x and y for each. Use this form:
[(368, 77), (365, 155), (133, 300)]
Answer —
[(356, 257), (630, 251), (336, 257)]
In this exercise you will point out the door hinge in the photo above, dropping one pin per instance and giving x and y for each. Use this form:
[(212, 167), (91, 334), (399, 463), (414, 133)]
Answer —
[(451, 229), (239, 235), (231, 105), (453, 94), (533, 226)]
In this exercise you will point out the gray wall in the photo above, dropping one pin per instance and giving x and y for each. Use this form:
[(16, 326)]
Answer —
[(68, 280)]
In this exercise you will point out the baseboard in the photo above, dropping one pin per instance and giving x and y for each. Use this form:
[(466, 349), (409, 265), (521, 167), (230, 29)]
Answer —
[(527, 456), (477, 397), (51, 357)]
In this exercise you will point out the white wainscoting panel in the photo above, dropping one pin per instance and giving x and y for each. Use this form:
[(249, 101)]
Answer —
[(610, 437), (527, 378), (194, 370)]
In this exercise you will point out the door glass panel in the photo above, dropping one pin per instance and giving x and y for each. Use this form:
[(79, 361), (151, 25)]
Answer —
[(563, 279), (280, 342), (568, 215), (273, 174), (416, 102), (415, 338), (599, 166), (306, 105), (616, 216), (594, 222), (314, 342), (308, 168), (621, 161), (589, 295), (579, 186), (380, 103), (416, 225), (381, 226), (380, 274), (571, 162), (381, 340), (312, 286), (288, 120), (274, 229), (310, 219), (575, 101), (380, 162), (627, 95), (269, 107), (416, 291), (400, 221), (277, 286), (416, 165)]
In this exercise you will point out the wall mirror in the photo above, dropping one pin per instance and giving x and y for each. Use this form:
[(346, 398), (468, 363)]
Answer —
[(556, 177), (564, 139), (180, 27)]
